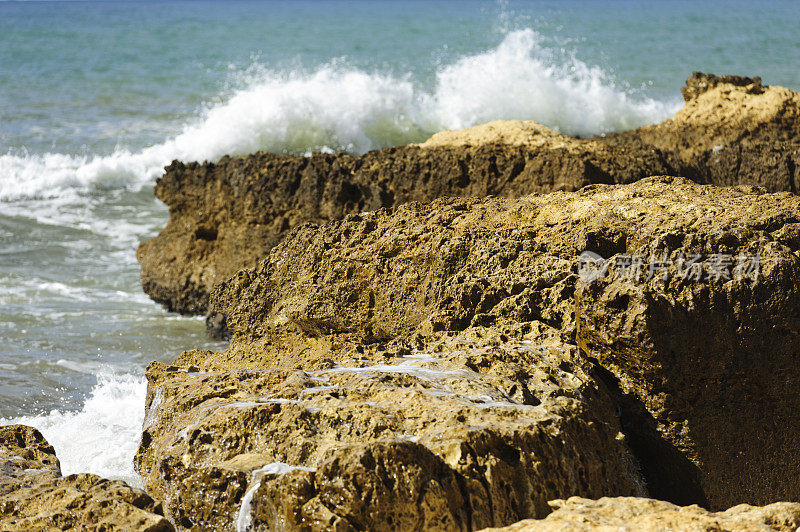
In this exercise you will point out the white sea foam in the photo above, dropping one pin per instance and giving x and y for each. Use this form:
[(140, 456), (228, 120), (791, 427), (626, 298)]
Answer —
[(522, 79), (338, 106), (15, 291), (243, 517), (102, 437), (408, 367)]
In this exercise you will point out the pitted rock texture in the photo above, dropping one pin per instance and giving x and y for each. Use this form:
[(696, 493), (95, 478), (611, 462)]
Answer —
[(647, 515), (227, 215), (468, 432), (34, 495), (25, 458), (703, 370)]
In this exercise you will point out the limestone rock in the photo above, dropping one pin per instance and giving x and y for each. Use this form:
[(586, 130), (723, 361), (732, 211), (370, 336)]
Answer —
[(703, 370), (647, 515), (25, 458), (225, 216), (446, 432), (713, 362), (34, 495)]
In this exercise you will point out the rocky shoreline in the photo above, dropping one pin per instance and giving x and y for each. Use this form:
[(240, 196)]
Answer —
[(500, 327), (224, 216), (35, 496)]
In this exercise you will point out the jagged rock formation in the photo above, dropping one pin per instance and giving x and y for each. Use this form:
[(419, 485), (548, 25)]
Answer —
[(34, 495), (460, 334), (648, 515), (225, 216), (467, 432)]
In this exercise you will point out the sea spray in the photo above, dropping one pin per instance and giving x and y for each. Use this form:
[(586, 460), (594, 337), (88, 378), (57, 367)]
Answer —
[(522, 79), (102, 437), (339, 107)]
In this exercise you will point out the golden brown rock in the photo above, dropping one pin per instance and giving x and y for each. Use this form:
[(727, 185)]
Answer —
[(647, 515), (34, 495), (225, 216), (702, 369), (25, 458), (467, 432)]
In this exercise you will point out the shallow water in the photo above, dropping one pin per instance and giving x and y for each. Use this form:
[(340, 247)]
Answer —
[(96, 97)]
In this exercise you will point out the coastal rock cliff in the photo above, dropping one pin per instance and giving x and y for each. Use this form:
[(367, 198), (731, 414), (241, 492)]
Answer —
[(35, 496), (225, 216), (454, 365)]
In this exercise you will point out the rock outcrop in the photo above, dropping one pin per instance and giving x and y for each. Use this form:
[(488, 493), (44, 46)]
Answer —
[(35, 496), (451, 365), (648, 515), (225, 216), (459, 433)]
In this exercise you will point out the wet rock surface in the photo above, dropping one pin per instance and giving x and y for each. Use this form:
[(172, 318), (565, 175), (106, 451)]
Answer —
[(225, 216), (450, 366), (25, 458), (702, 368), (35, 496), (467, 432), (631, 513)]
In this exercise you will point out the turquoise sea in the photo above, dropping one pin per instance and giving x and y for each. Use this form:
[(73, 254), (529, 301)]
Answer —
[(97, 96)]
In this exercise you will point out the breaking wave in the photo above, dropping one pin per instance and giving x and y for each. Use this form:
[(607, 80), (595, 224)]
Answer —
[(339, 107), (103, 436)]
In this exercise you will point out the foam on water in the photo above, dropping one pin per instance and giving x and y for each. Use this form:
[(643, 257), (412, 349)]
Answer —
[(24, 290), (103, 436), (340, 107)]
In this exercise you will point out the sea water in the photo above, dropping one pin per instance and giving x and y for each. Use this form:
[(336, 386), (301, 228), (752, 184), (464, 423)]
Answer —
[(96, 97)]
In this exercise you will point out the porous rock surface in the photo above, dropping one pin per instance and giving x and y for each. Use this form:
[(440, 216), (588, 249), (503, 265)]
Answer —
[(615, 514), (446, 432), (35, 496), (225, 216), (703, 370), (448, 366)]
